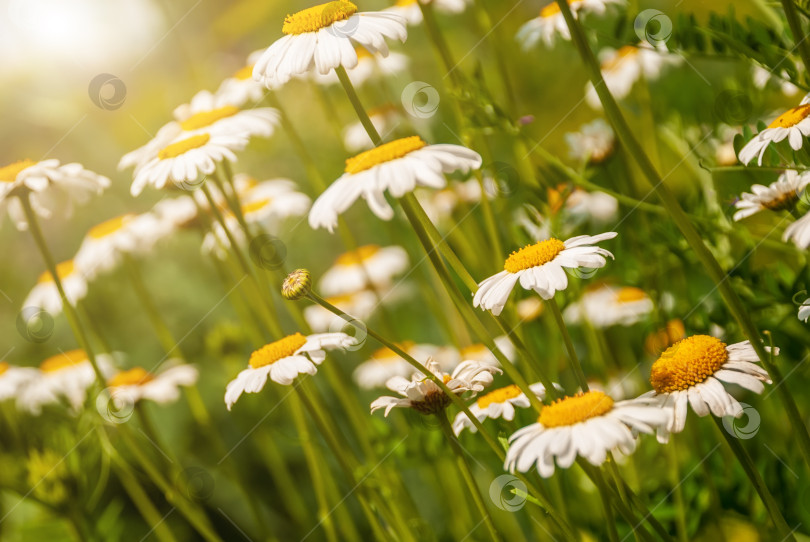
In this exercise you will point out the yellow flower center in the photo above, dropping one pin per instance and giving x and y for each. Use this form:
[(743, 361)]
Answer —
[(282, 348), (386, 355), (384, 153), (362, 52), (575, 409), (357, 256), (621, 54), (108, 227), (791, 117), (3, 367), (254, 206), (63, 269), (550, 10), (8, 174), (533, 255), (207, 118), (630, 295), (71, 358), (687, 363), (474, 351), (183, 146), (136, 376), (317, 17), (244, 73), (500, 395)]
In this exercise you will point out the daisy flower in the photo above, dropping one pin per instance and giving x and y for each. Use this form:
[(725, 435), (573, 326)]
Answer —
[(582, 206), (804, 310), (369, 266), (323, 37), (385, 364), (541, 267), (384, 119), (104, 243), (480, 353), (46, 295), (359, 304), (799, 232), (399, 167), (186, 158), (409, 9), (607, 306), (696, 370), (283, 360), (593, 143), (13, 379), (622, 68), (588, 425), (41, 182), (240, 88), (551, 23), (136, 384), (496, 404), (425, 397), (177, 212), (369, 66), (780, 195), (793, 125), (66, 375)]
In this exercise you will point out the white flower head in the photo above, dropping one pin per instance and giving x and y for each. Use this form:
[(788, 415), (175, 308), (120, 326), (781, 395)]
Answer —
[(385, 364), (588, 425), (137, 384), (323, 37), (762, 76), (607, 306), (799, 232), (425, 396), (541, 268), (793, 125), (780, 195), (68, 376), (240, 88), (496, 404), (397, 167), (13, 379), (594, 142), (696, 371), (369, 67), (45, 294), (283, 360), (551, 23), (384, 119), (49, 185), (368, 266), (409, 9), (804, 310), (360, 305)]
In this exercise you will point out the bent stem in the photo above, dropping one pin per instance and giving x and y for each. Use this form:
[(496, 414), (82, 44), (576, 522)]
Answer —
[(569, 345), (466, 473), (681, 220)]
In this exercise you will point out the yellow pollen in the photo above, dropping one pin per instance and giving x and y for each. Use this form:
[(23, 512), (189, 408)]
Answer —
[(109, 227), (386, 355), (687, 363), (8, 174), (574, 409), (277, 350), (317, 17), (183, 146), (500, 395), (63, 269), (207, 118), (64, 360), (244, 73), (357, 256), (474, 351), (791, 117), (137, 376), (630, 294), (3, 367), (254, 206), (550, 10), (384, 153), (533, 255)]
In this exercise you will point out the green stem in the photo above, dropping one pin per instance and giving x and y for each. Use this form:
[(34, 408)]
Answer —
[(358, 106), (785, 532), (795, 25), (610, 522), (569, 345), (469, 479), (681, 220)]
